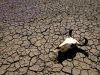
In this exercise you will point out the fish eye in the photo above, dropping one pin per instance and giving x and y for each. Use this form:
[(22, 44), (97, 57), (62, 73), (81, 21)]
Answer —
[(72, 45)]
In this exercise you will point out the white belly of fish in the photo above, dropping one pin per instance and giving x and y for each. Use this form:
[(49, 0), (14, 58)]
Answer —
[(66, 45), (69, 40)]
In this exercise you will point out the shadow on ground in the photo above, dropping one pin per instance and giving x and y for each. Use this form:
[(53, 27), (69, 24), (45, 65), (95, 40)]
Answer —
[(70, 54)]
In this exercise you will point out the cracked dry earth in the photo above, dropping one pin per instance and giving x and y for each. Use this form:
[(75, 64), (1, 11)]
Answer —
[(31, 29)]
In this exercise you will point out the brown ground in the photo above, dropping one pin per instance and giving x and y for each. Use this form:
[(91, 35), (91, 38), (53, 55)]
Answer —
[(30, 29)]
